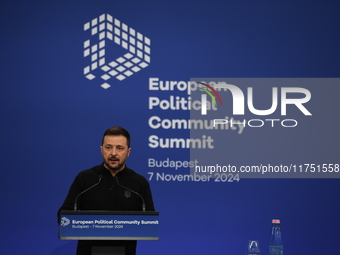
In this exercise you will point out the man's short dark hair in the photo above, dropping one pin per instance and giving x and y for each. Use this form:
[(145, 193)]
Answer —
[(115, 131)]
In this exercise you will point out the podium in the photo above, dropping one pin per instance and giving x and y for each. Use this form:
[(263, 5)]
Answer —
[(108, 225)]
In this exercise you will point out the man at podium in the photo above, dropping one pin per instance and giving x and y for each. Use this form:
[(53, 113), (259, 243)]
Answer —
[(110, 186)]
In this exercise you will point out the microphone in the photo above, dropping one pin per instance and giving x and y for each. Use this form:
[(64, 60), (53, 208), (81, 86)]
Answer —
[(132, 192), (75, 202)]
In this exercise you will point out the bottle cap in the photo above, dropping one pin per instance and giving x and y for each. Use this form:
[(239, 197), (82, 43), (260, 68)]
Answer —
[(275, 221)]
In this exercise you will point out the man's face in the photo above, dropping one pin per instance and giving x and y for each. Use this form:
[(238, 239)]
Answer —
[(115, 152)]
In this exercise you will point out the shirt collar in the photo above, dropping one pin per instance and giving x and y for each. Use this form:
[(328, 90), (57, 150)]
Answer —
[(104, 171)]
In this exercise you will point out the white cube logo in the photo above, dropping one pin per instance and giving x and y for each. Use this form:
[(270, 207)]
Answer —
[(106, 28)]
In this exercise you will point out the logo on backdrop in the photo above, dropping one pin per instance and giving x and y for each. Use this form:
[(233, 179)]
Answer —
[(102, 62), (64, 221)]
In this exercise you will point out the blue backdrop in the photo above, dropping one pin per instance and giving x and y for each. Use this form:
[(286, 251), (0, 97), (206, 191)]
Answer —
[(54, 117)]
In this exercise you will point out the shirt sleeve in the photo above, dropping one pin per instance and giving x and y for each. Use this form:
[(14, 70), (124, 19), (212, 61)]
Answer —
[(74, 190), (149, 206)]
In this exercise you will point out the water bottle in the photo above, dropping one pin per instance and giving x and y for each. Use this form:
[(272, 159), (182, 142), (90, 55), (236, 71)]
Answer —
[(275, 245)]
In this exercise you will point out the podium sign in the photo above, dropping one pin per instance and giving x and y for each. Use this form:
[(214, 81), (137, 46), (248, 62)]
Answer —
[(108, 225)]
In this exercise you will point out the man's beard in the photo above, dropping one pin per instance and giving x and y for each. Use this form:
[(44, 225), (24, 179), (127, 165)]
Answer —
[(106, 163)]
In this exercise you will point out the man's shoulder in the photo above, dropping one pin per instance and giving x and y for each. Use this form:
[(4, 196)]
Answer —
[(135, 175), (94, 171)]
